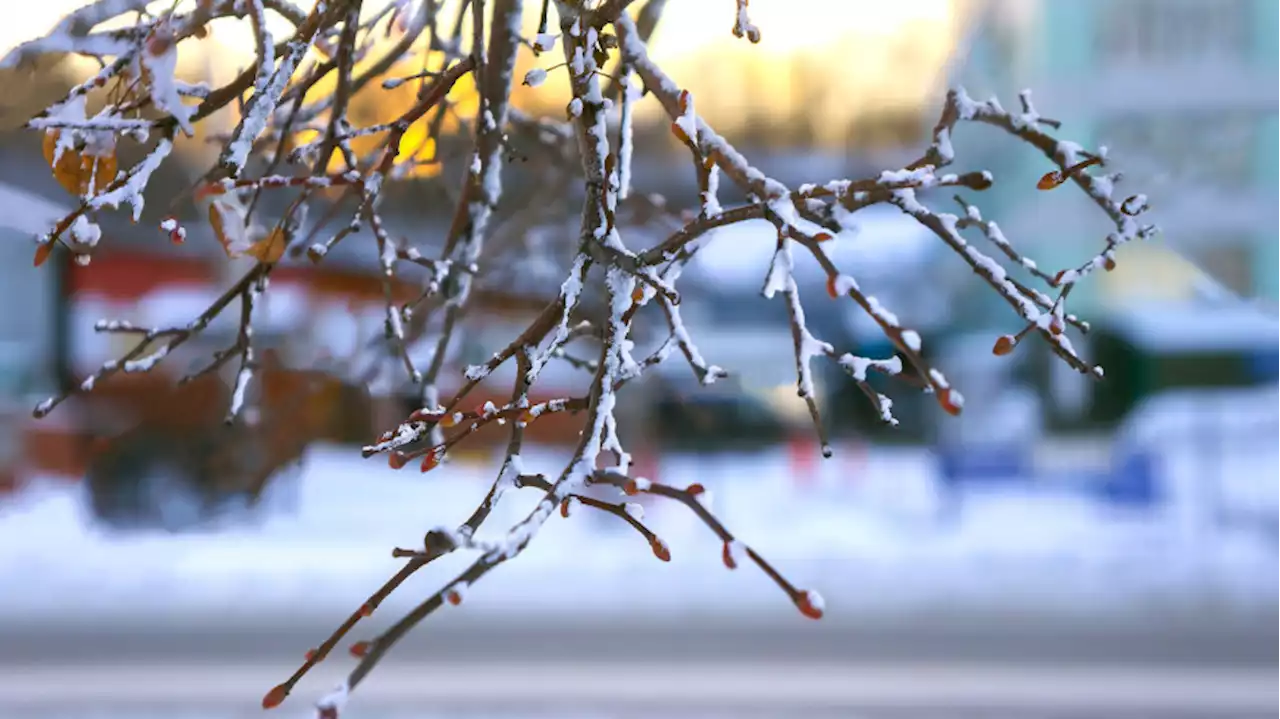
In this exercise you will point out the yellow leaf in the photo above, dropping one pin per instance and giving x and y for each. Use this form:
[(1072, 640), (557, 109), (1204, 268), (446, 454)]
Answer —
[(218, 223), (78, 173), (269, 249)]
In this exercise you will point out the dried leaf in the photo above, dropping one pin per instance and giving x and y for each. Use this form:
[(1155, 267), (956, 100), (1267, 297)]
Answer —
[(269, 249), (78, 173), (219, 227)]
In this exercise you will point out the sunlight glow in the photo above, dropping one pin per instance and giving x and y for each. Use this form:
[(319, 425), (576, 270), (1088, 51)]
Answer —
[(820, 67)]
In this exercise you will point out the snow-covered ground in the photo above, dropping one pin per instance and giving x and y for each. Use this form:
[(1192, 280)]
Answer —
[(863, 532)]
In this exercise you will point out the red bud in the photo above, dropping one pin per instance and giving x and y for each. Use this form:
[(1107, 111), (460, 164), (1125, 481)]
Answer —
[(831, 287), (695, 489), (397, 459), (1057, 279), (432, 459), (366, 610), (453, 597), (823, 237), (275, 697), (948, 399), (660, 549), (359, 649), (1108, 264), (42, 253), (806, 606), (727, 555)]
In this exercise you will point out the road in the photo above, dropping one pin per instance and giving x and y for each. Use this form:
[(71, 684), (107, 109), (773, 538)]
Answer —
[(529, 668)]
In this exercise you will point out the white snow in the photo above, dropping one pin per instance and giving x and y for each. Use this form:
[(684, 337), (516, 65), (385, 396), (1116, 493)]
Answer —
[(858, 528)]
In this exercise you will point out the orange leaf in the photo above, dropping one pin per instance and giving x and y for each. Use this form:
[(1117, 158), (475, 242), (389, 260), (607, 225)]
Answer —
[(269, 249), (78, 173)]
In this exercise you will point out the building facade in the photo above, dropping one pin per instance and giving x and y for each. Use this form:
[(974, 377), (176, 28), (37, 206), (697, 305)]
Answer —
[(1183, 93)]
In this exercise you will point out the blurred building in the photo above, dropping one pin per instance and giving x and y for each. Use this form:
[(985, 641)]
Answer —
[(1184, 95)]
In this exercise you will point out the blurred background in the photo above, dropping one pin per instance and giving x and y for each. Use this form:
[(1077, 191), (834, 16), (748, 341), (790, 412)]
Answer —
[(1064, 548)]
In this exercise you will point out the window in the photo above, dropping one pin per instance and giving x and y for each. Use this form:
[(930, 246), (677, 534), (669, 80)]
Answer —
[(1172, 30), (1204, 147)]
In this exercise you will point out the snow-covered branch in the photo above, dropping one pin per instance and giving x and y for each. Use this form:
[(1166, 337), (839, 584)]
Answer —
[(291, 140)]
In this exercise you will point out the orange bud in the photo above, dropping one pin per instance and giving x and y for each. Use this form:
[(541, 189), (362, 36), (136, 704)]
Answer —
[(637, 295), (397, 459), (685, 98), (680, 134), (275, 697), (432, 459), (947, 399), (564, 508), (1055, 325), (1004, 345), (1050, 180), (453, 597), (1108, 264), (831, 287), (630, 488), (42, 252), (311, 655), (695, 489), (359, 649), (660, 549), (366, 610), (448, 420), (806, 607), (1057, 279), (823, 237), (727, 556)]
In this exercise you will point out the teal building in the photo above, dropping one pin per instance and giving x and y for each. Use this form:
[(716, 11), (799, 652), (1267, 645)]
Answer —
[(1183, 93)]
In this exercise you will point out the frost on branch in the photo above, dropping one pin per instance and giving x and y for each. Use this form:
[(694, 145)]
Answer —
[(307, 146)]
